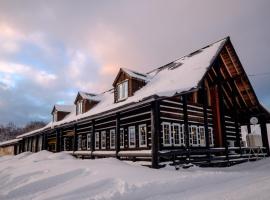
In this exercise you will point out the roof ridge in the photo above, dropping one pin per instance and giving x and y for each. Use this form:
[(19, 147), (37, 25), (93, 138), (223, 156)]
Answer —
[(225, 38)]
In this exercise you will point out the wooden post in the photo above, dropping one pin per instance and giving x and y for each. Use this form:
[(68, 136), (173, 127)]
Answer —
[(186, 131), (117, 133), (37, 140), (222, 119), (155, 133), (57, 140), (23, 145), (75, 138), (205, 120), (60, 139), (264, 135), (31, 144), (93, 137), (45, 141)]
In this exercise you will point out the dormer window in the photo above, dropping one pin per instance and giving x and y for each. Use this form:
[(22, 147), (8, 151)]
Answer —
[(122, 90), (79, 107)]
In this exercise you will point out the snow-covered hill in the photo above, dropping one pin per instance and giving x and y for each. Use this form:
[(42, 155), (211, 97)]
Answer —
[(45, 175)]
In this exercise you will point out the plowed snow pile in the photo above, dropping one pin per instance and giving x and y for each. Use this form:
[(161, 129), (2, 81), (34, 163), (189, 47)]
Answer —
[(45, 175)]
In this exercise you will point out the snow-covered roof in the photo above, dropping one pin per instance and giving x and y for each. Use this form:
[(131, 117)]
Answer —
[(9, 142), (135, 74), (179, 76), (89, 96), (64, 108)]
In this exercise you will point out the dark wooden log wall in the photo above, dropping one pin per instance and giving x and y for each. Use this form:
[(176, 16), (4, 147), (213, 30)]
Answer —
[(171, 110)]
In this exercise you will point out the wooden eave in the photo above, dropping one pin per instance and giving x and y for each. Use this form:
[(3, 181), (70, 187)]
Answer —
[(233, 77)]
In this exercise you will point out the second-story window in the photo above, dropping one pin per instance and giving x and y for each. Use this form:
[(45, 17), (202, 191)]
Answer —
[(55, 116), (79, 107), (122, 90)]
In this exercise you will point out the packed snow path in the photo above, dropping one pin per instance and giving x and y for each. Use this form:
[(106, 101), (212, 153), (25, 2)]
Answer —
[(47, 176)]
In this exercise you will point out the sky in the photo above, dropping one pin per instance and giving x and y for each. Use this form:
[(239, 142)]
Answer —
[(50, 50)]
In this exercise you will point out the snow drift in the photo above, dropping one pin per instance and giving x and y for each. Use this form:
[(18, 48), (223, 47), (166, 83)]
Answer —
[(45, 175)]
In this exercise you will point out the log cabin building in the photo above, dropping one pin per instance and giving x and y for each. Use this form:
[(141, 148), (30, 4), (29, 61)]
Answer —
[(189, 110)]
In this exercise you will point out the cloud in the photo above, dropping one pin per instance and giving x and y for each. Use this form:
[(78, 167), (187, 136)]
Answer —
[(53, 49), (43, 78)]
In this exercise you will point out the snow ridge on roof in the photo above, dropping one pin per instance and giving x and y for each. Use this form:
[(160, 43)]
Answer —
[(64, 108), (181, 75), (135, 74), (89, 96), (9, 142)]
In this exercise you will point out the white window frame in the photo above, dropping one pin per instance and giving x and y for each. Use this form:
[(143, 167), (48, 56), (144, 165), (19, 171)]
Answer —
[(129, 136), (174, 134), (170, 136), (88, 141), (97, 145), (122, 90), (122, 140), (79, 108), (112, 138), (191, 136), (211, 135), (55, 116), (103, 140), (79, 142), (200, 136), (141, 137)]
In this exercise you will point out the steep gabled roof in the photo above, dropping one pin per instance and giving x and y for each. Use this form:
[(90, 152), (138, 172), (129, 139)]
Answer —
[(88, 96), (181, 75), (131, 74), (63, 108)]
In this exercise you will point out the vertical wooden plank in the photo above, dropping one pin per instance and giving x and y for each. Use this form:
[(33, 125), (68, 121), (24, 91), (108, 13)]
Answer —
[(75, 138), (186, 131), (117, 134), (31, 144), (60, 139), (37, 139), (155, 132), (222, 119), (93, 137), (236, 122), (46, 141), (205, 120), (57, 149)]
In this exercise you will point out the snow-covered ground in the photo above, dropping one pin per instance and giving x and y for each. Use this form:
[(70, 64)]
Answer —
[(45, 175)]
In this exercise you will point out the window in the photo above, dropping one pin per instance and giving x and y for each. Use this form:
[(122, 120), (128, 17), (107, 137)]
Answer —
[(122, 138), (178, 134), (55, 116), (79, 142), (112, 139), (166, 127), (142, 135), (97, 140), (122, 90), (132, 139), (88, 143), (211, 136), (79, 107), (103, 139), (201, 136), (193, 135)]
